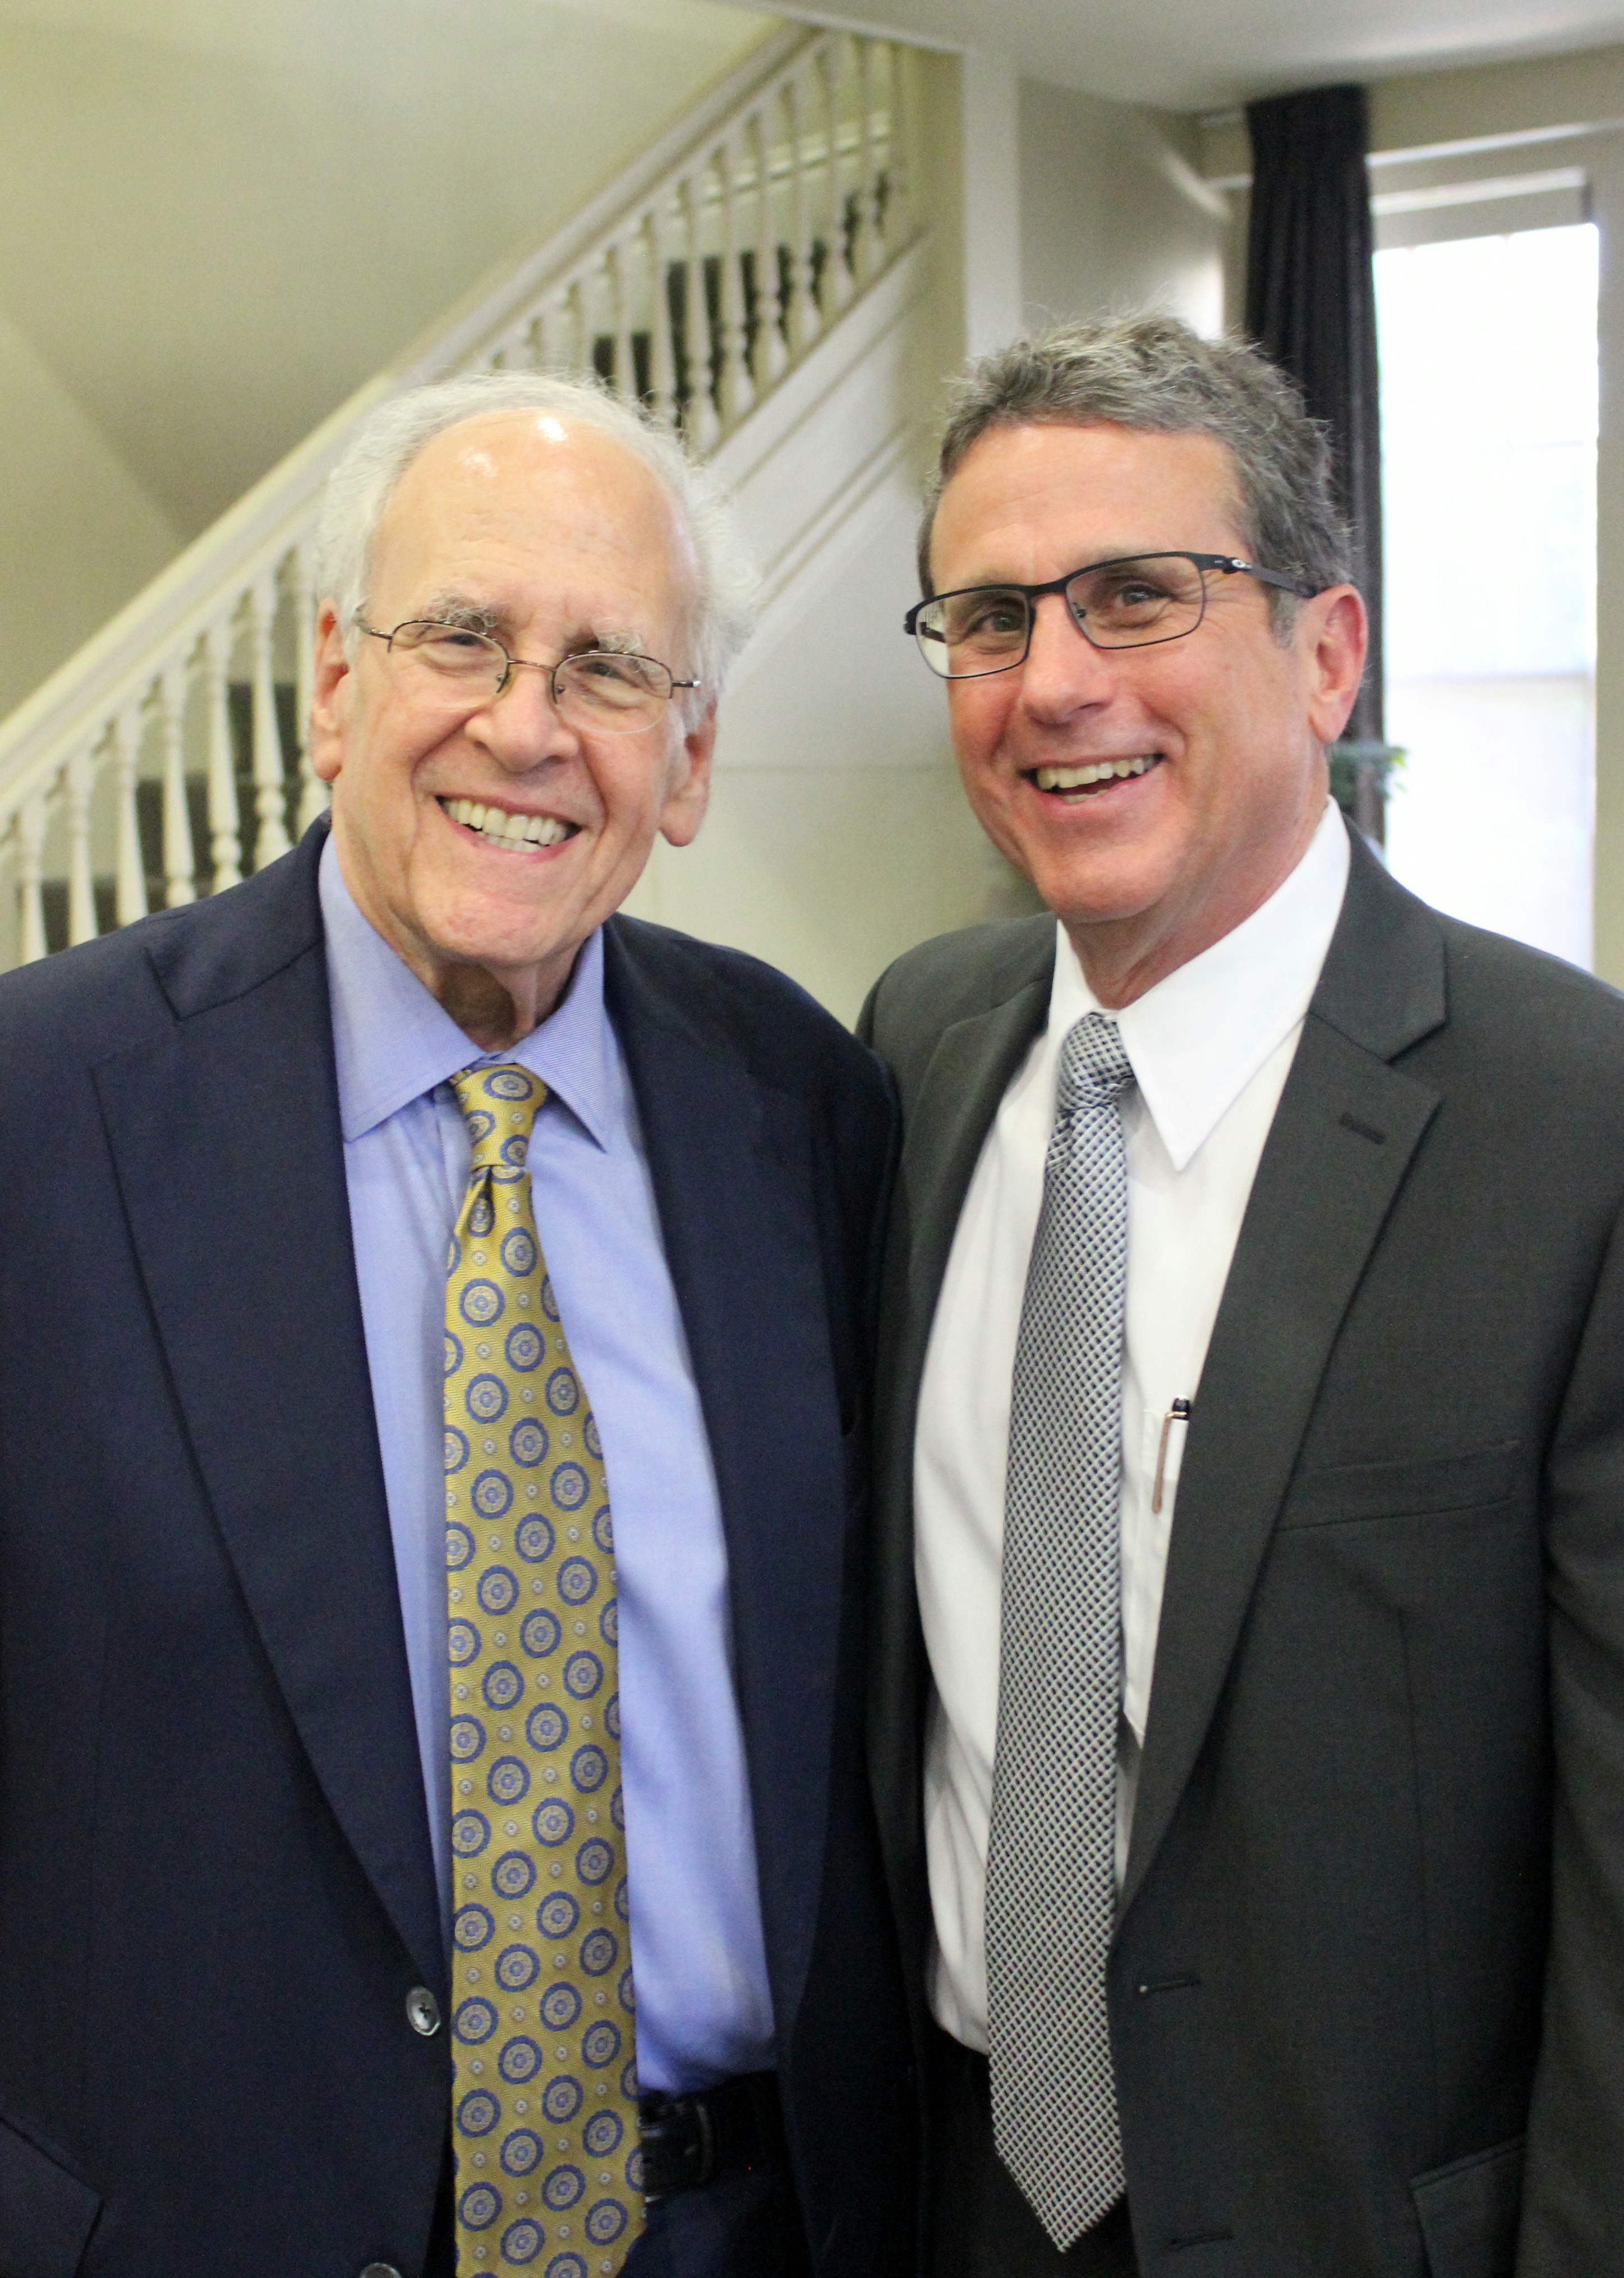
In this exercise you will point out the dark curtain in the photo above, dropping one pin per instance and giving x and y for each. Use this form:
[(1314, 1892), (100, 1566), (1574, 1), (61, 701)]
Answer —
[(1311, 304)]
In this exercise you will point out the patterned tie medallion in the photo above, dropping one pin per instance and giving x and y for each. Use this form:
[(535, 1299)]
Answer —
[(549, 2164)]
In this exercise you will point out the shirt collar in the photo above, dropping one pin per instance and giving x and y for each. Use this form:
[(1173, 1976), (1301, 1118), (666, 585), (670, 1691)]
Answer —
[(393, 1043), (1197, 1039)]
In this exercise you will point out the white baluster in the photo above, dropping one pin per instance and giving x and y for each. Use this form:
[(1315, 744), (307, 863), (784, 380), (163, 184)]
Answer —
[(804, 323), (836, 274), (225, 831), (124, 744), (902, 114), (771, 354), (180, 853), (582, 299), (866, 253), (607, 320), (270, 768), (568, 329), (621, 274), (80, 780), (545, 329), (31, 820), (737, 394), (663, 355), (591, 297), (877, 90), (704, 427), (301, 600)]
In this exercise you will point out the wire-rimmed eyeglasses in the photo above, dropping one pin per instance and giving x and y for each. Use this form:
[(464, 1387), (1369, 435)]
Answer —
[(610, 691), (1134, 602)]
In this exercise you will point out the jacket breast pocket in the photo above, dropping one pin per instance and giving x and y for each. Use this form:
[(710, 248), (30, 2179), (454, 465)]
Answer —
[(1436, 1485), (46, 2214), (1468, 2214)]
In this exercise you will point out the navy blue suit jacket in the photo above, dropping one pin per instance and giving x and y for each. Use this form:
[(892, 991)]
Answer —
[(216, 1890)]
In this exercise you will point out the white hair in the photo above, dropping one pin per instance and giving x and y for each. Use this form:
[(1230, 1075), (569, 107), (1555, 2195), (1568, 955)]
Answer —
[(361, 485)]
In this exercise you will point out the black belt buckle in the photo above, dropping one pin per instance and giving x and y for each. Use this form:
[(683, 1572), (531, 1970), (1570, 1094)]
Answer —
[(679, 2145)]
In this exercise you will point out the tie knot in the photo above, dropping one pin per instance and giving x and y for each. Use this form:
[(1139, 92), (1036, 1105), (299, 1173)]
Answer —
[(1093, 1066), (498, 1105)]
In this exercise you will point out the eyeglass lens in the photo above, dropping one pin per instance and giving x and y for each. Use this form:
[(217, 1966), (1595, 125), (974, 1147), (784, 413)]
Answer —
[(597, 689), (1115, 605)]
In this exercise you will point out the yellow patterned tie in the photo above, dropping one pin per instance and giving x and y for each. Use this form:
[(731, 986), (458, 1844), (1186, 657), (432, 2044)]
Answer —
[(544, 2101)]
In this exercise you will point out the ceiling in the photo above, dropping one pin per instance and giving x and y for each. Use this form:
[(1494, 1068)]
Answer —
[(1202, 55)]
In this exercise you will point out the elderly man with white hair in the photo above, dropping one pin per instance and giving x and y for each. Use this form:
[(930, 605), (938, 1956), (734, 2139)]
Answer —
[(433, 1339)]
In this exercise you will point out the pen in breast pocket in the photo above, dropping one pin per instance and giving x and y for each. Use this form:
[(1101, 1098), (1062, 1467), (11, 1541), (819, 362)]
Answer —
[(1178, 1413)]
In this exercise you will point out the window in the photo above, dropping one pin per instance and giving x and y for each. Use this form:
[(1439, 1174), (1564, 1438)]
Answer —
[(1489, 418)]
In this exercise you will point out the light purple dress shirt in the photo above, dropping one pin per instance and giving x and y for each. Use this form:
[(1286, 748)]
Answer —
[(703, 2008)]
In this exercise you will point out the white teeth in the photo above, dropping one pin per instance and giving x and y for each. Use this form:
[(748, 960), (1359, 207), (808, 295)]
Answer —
[(499, 828), (1102, 771)]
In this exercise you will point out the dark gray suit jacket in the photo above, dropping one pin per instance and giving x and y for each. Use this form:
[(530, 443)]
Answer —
[(1367, 1991)]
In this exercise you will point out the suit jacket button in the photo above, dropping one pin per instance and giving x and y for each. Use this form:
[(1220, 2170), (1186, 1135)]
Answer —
[(380, 2270), (424, 2012)]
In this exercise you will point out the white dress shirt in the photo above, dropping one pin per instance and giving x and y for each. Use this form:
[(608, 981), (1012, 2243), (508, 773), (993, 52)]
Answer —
[(1211, 1046)]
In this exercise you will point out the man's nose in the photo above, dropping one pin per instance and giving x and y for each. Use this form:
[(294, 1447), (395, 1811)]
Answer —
[(1063, 672), (522, 727)]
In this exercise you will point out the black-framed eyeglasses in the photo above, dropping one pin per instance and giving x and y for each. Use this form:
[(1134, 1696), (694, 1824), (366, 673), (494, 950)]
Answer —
[(1130, 603), (610, 691)]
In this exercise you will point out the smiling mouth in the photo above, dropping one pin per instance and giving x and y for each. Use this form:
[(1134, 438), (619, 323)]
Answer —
[(499, 826), (1089, 780)]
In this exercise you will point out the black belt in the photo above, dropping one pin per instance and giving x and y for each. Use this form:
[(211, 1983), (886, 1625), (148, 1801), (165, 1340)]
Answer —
[(690, 2141)]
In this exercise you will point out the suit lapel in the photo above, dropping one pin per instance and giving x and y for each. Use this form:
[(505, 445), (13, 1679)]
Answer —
[(946, 1125), (1342, 1141), (968, 1075), (226, 1144), (730, 1161)]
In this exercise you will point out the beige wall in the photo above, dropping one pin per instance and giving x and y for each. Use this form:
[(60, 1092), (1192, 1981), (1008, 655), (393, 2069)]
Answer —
[(837, 835), (217, 220), (80, 534), (1113, 212)]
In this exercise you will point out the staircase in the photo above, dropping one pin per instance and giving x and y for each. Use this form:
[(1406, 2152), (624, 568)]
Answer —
[(741, 264)]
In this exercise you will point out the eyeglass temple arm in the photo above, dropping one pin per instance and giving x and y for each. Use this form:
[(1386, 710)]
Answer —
[(1304, 591)]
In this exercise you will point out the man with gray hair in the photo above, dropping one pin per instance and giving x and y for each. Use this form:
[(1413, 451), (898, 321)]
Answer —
[(1249, 1736), (433, 1361)]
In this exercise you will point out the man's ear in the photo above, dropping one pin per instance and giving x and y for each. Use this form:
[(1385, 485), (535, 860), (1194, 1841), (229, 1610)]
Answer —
[(690, 789), (329, 695), (1334, 633)]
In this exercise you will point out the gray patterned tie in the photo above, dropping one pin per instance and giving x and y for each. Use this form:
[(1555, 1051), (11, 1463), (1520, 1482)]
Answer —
[(1051, 1888)]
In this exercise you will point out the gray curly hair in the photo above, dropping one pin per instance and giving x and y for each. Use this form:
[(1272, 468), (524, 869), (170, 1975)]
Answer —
[(362, 482), (1154, 376)]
